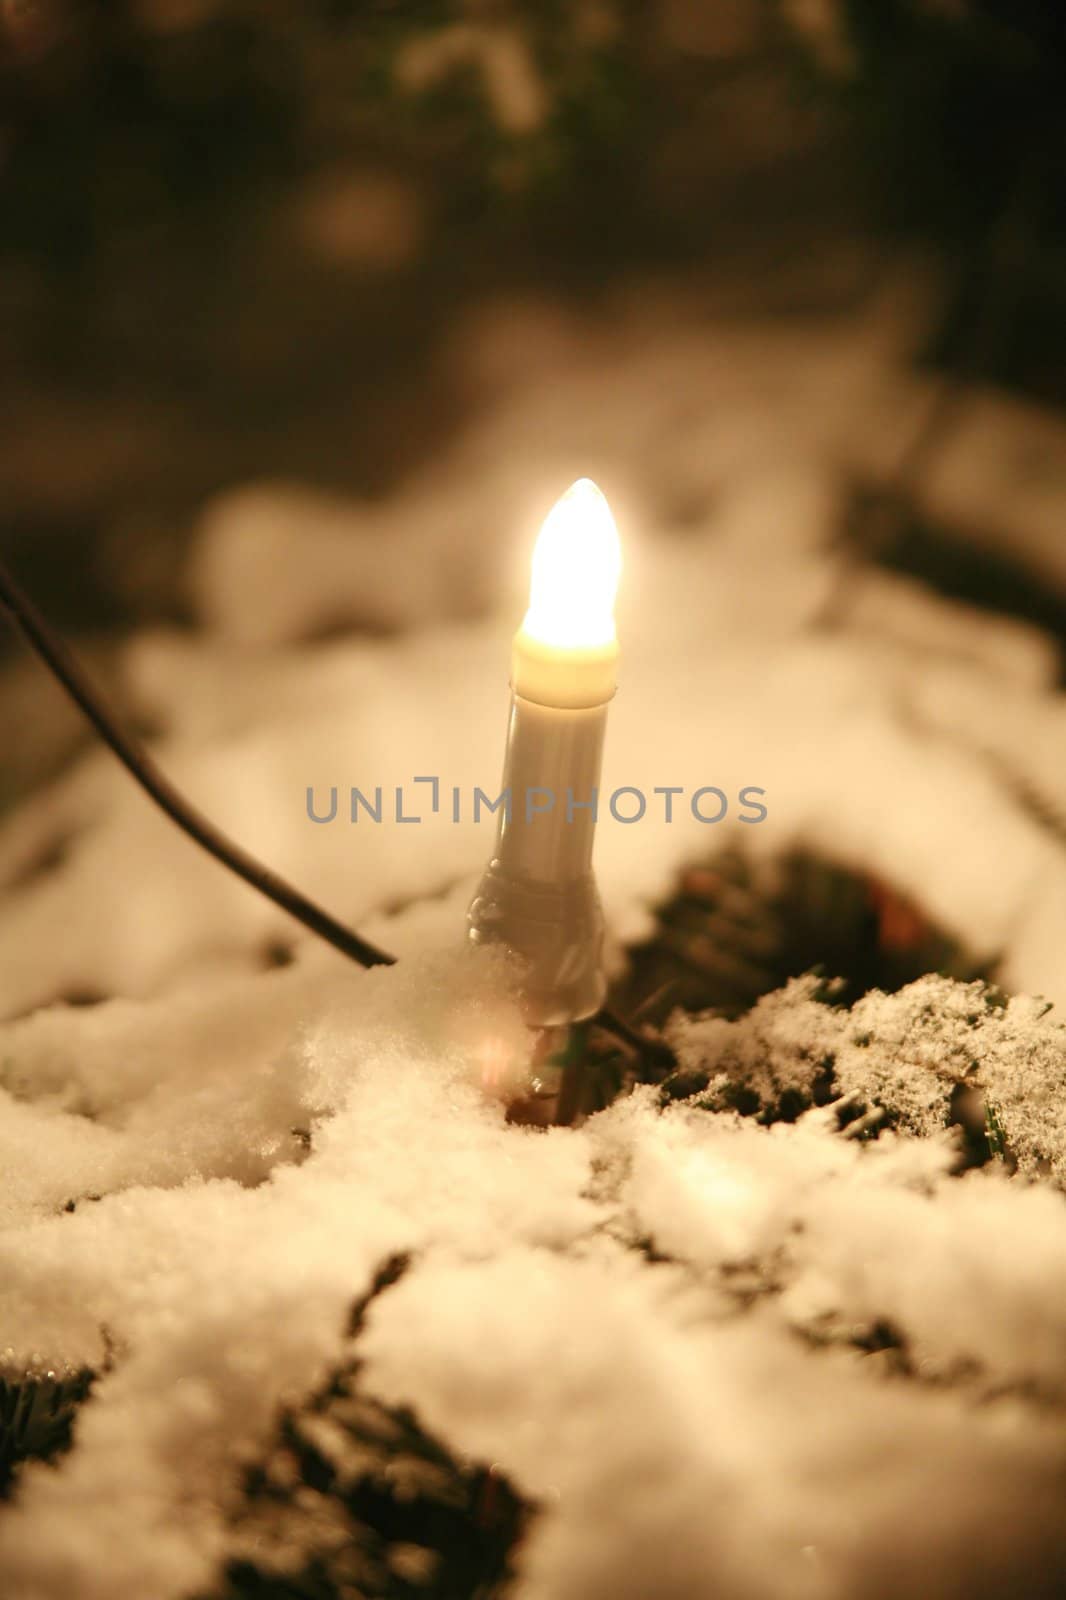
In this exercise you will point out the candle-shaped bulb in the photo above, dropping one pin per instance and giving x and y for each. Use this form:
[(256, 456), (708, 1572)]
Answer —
[(577, 561), (538, 895)]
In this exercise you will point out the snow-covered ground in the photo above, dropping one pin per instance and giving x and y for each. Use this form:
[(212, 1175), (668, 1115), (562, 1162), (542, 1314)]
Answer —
[(656, 1324)]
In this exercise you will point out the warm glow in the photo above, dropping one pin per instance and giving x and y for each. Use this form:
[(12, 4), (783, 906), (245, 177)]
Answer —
[(577, 561)]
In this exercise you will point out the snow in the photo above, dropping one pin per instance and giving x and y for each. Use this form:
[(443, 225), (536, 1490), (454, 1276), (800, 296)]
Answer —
[(625, 1392), (715, 1353)]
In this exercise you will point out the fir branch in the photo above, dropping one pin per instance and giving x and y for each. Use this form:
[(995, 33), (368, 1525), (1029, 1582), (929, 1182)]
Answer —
[(994, 1132)]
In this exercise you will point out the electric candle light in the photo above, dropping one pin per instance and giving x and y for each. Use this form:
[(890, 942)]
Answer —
[(538, 895)]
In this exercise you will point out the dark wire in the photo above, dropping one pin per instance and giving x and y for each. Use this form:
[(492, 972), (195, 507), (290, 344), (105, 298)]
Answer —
[(140, 765)]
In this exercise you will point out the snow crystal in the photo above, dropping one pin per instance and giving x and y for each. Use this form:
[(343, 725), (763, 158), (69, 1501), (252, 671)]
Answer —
[(782, 1045), (905, 1054)]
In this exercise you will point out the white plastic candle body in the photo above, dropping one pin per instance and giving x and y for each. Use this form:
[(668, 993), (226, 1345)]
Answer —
[(538, 895)]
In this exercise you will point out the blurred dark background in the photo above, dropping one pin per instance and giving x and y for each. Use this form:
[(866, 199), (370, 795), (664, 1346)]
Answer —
[(234, 232)]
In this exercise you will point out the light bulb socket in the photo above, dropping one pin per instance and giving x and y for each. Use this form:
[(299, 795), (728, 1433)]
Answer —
[(556, 931)]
